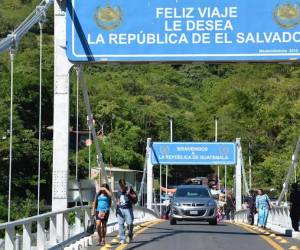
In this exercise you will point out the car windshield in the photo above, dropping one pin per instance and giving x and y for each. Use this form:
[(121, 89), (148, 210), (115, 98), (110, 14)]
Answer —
[(192, 192)]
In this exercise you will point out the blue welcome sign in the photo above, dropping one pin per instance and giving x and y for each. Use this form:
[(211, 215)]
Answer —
[(183, 30), (193, 153)]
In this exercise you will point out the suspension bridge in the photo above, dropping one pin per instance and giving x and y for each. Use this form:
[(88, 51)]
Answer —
[(53, 229)]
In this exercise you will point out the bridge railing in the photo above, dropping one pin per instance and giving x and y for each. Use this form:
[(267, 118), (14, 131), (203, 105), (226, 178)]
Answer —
[(41, 232), (140, 215), (279, 220)]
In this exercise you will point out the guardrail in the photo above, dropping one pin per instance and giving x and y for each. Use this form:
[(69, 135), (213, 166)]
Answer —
[(279, 220), (45, 230), (140, 215)]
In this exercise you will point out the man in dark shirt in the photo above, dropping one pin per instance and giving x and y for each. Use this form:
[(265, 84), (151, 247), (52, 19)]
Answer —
[(229, 206), (125, 198), (251, 209), (295, 206)]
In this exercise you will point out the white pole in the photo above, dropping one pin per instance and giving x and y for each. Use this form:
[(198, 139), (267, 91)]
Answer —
[(149, 176), (225, 183), (171, 140), (166, 178), (295, 170), (171, 129), (216, 128), (12, 58), (238, 177), (40, 118), (89, 153), (250, 168), (77, 125), (216, 139), (62, 67), (160, 184), (89, 161)]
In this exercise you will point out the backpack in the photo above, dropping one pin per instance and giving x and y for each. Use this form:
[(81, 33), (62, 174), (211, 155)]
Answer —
[(133, 200)]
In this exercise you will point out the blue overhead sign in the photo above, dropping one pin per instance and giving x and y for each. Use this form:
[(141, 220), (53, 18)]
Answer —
[(192, 153), (183, 30)]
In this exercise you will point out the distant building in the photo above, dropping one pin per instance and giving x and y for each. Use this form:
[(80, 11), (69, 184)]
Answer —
[(114, 174)]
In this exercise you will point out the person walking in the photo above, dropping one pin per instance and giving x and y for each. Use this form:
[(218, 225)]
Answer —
[(263, 206), (229, 207), (101, 208), (295, 206), (251, 208), (126, 197)]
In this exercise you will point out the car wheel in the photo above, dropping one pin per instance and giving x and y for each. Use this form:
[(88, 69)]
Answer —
[(213, 222), (172, 221)]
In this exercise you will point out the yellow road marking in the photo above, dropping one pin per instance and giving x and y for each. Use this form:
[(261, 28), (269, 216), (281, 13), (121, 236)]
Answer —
[(144, 227), (106, 247), (267, 239), (293, 248), (114, 241), (284, 241)]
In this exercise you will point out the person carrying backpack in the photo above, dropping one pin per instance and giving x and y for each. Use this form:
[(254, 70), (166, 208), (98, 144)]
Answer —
[(101, 208), (126, 197)]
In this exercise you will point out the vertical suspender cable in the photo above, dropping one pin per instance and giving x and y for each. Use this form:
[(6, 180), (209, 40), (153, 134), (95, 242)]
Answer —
[(89, 152), (89, 146), (295, 169), (160, 185), (77, 122), (40, 117), (225, 183), (12, 57)]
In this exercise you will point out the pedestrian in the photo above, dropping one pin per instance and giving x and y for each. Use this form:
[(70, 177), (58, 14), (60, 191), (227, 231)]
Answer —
[(220, 214), (229, 206), (101, 208), (126, 197), (263, 206), (295, 206), (251, 208)]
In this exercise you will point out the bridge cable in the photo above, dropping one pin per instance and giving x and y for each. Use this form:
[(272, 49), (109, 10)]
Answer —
[(40, 113), (35, 17), (91, 124), (292, 167), (140, 193), (12, 53), (77, 123), (245, 184)]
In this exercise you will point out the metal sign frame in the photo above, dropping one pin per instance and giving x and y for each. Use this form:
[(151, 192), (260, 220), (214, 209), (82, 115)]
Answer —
[(182, 31), (194, 153)]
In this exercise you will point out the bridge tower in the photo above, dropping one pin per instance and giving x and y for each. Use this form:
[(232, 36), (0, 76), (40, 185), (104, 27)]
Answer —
[(62, 67)]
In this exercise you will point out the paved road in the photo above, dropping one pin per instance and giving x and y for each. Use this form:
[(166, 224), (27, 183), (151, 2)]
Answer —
[(201, 236), (198, 236)]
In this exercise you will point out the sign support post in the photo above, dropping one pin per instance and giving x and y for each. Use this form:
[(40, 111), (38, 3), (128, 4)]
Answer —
[(238, 177), (149, 176)]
